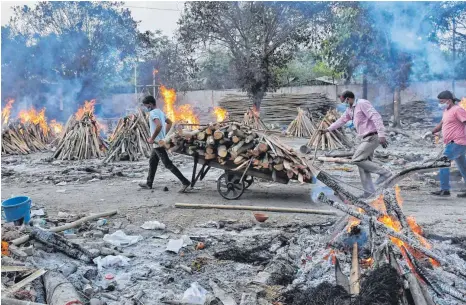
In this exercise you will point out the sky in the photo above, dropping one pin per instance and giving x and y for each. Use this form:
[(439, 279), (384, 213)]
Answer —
[(154, 15)]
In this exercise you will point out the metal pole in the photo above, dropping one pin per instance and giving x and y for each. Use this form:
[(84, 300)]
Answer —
[(454, 55)]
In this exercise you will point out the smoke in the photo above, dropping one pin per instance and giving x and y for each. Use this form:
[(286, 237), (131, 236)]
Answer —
[(59, 65)]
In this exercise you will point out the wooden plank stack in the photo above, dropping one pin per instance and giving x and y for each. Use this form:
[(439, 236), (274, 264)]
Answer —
[(331, 140), (19, 138), (253, 120), (277, 109), (129, 140), (301, 126), (80, 139), (239, 145)]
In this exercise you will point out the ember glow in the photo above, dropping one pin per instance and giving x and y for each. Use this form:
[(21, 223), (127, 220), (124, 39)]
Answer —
[(88, 108), (34, 117), (399, 199), (56, 127), (6, 111), (182, 114), (220, 114)]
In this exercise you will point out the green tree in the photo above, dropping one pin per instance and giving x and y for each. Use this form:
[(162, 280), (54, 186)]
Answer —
[(260, 37)]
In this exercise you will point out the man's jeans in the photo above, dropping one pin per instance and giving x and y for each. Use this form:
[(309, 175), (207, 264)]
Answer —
[(454, 152), (160, 153)]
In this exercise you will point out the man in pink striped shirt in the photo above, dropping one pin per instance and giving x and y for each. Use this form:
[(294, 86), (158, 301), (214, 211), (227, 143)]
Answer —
[(369, 126)]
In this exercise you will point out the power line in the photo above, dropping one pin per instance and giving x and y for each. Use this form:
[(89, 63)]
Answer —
[(153, 8)]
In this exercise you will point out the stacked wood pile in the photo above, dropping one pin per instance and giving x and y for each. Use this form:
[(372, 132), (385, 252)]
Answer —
[(277, 109), (19, 138), (241, 146), (253, 120), (331, 140), (80, 139), (433, 275), (129, 139), (301, 126)]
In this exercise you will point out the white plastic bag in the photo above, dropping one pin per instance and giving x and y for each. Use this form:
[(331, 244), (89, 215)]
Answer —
[(194, 295), (153, 225), (111, 261), (174, 245), (120, 239)]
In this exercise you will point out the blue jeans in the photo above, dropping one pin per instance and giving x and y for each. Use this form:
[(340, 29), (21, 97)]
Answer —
[(457, 153)]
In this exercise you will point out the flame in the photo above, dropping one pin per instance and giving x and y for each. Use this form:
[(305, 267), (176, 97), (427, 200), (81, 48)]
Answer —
[(331, 254), (353, 221), (183, 113), (462, 104), (6, 111), (155, 72), (56, 127), (87, 108), (34, 117), (220, 113), (367, 262), (379, 205)]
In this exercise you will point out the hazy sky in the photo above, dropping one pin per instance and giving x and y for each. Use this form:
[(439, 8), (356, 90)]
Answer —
[(154, 15)]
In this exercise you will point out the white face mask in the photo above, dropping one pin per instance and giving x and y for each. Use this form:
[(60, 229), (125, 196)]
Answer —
[(442, 106)]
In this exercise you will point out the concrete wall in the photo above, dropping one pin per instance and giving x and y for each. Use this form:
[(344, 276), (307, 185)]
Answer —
[(378, 94)]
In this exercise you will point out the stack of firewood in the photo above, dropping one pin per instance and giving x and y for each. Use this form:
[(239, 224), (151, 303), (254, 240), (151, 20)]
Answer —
[(19, 138), (302, 126), (253, 120), (80, 139), (241, 146), (331, 140), (277, 108), (129, 140)]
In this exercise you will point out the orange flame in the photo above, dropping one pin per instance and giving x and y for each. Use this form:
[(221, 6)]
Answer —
[(220, 113), (88, 108), (34, 117), (6, 111), (379, 205), (56, 127), (353, 221), (183, 113)]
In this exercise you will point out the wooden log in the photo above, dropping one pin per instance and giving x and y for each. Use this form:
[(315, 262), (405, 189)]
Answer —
[(278, 167), (253, 208), (209, 149), (59, 290), (222, 151), (415, 289), (263, 147), (354, 272), (218, 135), (201, 135), (210, 140), (70, 225), (208, 156), (8, 301)]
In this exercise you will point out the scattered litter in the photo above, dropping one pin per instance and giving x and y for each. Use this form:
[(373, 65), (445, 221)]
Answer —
[(186, 240), (123, 280), (200, 246), (120, 239), (153, 225), (101, 222), (221, 294), (111, 261), (61, 191), (164, 236), (63, 215), (39, 212), (174, 245), (194, 295), (63, 183)]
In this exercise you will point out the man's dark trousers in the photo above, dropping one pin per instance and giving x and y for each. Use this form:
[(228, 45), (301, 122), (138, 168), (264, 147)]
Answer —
[(160, 153)]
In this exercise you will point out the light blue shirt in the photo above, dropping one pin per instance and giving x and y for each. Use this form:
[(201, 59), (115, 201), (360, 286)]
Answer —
[(157, 114)]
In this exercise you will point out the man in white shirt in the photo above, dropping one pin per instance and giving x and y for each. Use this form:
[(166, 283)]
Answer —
[(159, 126)]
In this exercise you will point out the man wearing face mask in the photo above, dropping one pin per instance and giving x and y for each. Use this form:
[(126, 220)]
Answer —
[(369, 126), (453, 127), (159, 126)]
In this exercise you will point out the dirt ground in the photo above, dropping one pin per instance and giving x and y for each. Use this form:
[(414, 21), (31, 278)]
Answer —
[(444, 216)]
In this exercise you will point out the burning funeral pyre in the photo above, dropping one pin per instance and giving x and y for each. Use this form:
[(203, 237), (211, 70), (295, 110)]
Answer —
[(252, 119), (378, 255), (241, 147), (29, 133), (129, 140), (183, 114), (80, 138)]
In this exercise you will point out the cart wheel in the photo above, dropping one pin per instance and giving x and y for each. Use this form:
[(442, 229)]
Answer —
[(248, 180), (229, 186)]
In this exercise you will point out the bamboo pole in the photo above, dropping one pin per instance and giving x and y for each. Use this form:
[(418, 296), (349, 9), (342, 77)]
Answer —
[(252, 208), (70, 225)]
